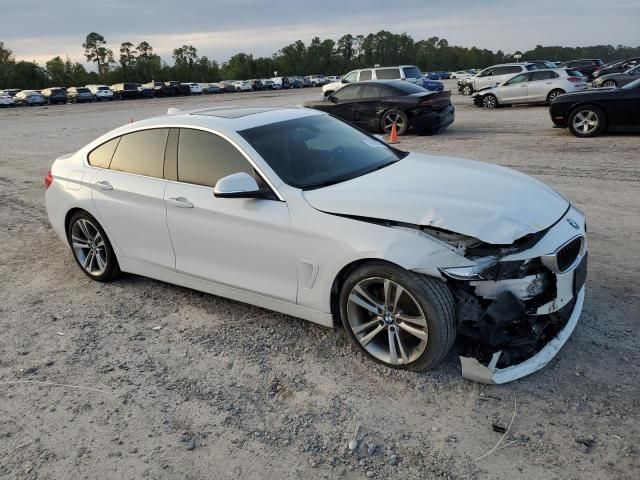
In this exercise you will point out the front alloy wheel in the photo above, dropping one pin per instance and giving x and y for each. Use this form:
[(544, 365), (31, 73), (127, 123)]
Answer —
[(586, 121), (609, 84), (489, 101), (399, 318), (467, 90)]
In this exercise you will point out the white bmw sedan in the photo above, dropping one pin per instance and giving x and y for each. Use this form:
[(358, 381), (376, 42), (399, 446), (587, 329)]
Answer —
[(296, 211)]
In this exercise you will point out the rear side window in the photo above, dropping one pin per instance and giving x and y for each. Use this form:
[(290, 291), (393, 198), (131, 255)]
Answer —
[(573, 73), (371, 91), (204, 158), (101, 156), (505, 70), (388, 73), (365, 75), (412, 72), (141, 152), (543, 75)]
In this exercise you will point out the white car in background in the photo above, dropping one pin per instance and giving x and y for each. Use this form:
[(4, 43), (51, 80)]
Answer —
[(243, 86), (296, 211), (409, 73), (460, 74), (195, 88), (6, 100), (101, 92), (537, 86), (492, 76)]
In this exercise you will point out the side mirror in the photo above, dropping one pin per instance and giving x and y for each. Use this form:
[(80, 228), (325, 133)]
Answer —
[(237, 185)]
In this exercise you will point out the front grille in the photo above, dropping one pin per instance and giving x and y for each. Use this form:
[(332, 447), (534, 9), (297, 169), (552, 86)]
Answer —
[(568, 254)]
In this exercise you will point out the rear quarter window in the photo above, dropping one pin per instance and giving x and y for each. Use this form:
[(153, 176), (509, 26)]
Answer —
[(101, 156), (411, 72)]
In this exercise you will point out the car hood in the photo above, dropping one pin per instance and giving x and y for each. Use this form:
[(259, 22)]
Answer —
[(491, 203)]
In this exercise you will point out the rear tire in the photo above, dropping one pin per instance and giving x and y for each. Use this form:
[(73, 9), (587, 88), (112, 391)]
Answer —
[(587, 121), (410, 330), (553, 94), (91, 248), (394, 116)]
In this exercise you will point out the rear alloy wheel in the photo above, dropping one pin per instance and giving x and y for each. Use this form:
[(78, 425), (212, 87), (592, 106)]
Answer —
[(398, 318), (467, 90), (489, 101), (394, 116), (553, 94), (91, 248), (586, 121), (610, 84)]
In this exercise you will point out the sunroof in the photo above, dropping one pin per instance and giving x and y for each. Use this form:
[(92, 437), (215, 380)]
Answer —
[(235, 112)]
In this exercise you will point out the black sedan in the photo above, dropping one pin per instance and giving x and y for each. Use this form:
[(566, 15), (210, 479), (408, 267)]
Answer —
[(376, 105), (589, 113)]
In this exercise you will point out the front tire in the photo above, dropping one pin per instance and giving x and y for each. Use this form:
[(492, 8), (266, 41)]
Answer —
[(398, 318), (467, 90), (586, 121), (489, 101), (91, 248), (610, 84)]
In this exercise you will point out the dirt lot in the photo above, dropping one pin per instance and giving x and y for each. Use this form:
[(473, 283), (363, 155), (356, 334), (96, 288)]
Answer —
[(226, 390)]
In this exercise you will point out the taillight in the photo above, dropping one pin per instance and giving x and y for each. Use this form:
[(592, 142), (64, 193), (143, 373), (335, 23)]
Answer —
[(48, 180), (575, 79)]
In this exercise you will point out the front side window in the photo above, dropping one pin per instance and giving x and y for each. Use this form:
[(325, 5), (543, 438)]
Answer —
[(486, 73), (204, 158), (141, 152), (101, 156), (350, 77), (318, 150), (365, 75), (388, 73), (351, 92), (523, 77)]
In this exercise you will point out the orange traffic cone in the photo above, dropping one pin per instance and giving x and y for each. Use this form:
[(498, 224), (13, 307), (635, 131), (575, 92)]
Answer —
[(393, 136)]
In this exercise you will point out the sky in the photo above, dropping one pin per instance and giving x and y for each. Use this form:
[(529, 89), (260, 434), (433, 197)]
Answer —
[(39, 30)]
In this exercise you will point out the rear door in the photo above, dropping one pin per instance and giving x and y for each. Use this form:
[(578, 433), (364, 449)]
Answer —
[(128, 195), (365, 112), (238, 242), (541, 82)]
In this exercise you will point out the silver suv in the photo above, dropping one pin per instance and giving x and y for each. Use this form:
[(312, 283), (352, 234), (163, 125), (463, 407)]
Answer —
[(492, 76), (410, 73)]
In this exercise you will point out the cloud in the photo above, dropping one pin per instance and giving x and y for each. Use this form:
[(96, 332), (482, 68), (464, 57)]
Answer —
[(219, 29)]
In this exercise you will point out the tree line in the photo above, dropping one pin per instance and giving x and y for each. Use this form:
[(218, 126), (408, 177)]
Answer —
[(139, 63)]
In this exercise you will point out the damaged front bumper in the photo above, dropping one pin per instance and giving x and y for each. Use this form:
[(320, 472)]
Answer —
[(517, 313), (472, 369)]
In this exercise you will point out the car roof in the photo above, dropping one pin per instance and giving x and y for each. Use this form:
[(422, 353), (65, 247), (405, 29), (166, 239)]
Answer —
[(227, 120)]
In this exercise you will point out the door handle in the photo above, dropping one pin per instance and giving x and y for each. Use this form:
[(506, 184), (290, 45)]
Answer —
[(180, 202), (103, 185)]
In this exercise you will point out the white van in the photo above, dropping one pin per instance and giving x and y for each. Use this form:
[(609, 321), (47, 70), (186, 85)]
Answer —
[(410, 73)]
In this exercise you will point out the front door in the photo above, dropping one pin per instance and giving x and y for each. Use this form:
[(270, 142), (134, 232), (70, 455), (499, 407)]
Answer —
[(237, 242), (515, 90)]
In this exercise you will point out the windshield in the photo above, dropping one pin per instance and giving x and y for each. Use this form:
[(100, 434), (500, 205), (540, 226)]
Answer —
[(318, 150), (632, 85)]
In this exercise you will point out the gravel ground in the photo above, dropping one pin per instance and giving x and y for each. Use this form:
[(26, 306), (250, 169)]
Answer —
[(227, 390)]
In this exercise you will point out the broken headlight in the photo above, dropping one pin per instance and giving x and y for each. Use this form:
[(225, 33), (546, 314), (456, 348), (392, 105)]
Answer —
[(484, 269)]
